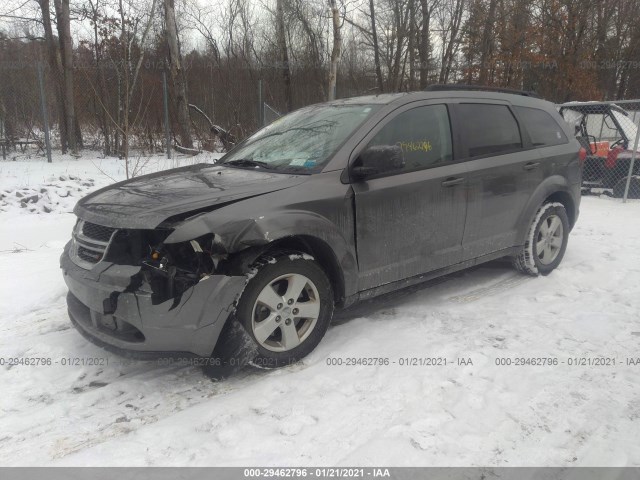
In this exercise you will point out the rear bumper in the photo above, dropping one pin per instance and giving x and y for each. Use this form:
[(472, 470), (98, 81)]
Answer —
[(108, 308)]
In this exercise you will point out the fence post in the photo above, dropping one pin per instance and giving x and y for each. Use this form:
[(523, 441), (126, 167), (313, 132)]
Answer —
[(634, 154), (45, 115), (260, 106), (165, 105)]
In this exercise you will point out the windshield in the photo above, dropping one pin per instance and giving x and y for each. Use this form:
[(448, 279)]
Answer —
[(301, 142), (627, 125)]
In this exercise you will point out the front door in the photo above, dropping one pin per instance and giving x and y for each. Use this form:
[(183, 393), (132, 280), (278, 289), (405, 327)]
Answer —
[(411, 221)]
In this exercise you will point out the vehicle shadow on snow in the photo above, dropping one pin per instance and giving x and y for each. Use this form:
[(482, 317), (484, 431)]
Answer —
[(392, 299)]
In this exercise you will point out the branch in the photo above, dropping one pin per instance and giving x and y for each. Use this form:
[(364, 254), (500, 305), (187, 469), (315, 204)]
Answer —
[(140, 59), (188, 151), (359, 27), (16, 17)]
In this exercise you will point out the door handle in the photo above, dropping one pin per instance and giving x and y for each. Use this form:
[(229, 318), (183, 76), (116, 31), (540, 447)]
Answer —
[(450, 182), (531, 165)]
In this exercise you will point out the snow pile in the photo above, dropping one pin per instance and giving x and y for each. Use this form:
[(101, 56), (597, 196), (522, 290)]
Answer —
[(37, 187), (57, 195)]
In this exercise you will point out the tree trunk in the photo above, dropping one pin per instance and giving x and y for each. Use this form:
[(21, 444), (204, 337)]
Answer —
[(284, 54), (337, 49), (101, 85), (486, 45), (449, 51), (376, 48), (55, 64), (123, 98), (400, 20), (423, 49), (178, 79), (66, 50), (412, 45)]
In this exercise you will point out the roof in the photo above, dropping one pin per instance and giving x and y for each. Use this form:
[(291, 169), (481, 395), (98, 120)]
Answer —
[(479, 88), (515, 96)]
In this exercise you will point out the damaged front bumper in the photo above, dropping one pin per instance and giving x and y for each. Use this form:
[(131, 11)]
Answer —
[(106, 307)]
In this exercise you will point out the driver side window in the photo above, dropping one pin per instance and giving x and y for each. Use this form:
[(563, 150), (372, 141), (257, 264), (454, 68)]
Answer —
[(423, 134)]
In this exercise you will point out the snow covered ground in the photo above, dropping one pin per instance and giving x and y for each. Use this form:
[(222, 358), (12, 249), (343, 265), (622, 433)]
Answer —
[(462, 413)]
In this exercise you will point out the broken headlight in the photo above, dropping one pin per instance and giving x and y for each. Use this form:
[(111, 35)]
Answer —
[(171, 269)]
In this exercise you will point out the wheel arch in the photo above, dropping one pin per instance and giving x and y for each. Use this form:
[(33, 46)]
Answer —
[(553, 189), (567, 201), (243, 239), (339, 272), (321, 251)]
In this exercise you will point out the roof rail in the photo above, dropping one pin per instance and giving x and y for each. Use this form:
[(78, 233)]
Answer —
[(483, 88)]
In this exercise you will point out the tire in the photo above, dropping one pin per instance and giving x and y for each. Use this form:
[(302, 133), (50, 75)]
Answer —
[(272, 316), (546, 241), (233, 351)]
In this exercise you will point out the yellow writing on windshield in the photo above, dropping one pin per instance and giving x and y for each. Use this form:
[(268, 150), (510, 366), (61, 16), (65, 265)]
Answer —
[(420, 146)]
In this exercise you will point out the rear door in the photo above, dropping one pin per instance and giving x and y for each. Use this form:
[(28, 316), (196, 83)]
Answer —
[(503, 171), (411, 221)]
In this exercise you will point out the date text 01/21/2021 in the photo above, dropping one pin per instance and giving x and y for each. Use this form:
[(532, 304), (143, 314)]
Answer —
[(330, 472)]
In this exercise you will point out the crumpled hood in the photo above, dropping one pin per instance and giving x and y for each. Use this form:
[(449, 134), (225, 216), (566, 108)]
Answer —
[(146, 201)]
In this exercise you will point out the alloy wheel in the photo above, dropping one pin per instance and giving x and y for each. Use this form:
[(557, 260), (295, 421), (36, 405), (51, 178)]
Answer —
[(285, 312), (549, 239)]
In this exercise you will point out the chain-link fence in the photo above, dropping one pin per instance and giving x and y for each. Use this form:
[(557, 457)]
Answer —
[(269, 114), (24, 117), (609, 136), (227, 103), (32, 121), (224, 112)]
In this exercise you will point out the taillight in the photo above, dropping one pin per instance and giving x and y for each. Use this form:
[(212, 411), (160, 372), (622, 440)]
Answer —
[(582, 153)]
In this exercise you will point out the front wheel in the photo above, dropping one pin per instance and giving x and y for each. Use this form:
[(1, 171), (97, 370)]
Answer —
[(286, 309), (546, 241)]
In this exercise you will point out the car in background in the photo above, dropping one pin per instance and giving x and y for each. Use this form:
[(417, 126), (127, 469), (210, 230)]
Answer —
[(607, 133)]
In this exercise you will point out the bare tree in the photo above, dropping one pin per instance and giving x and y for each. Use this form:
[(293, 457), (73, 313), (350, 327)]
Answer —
[(450, 29), (486, 45), (337, 48), (284, 53), (63, 18), (178, 79), (412, 44), (55, 64), (95, 18), (376, 47), (424, 47)]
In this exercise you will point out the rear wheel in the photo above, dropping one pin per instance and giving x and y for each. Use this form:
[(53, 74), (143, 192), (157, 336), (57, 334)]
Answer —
[(546, 241)]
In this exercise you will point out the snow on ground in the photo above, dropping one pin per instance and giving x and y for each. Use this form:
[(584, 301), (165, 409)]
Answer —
[(34, 186), (140, 413)]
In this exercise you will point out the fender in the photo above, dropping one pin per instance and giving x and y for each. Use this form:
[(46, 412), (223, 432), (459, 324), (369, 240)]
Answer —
[(236, 234), (555, 184)]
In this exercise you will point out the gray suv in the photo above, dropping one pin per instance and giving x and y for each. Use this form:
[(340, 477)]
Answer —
[(246, 260)]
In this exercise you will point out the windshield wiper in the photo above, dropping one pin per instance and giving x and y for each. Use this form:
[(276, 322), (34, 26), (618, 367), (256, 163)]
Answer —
[(245, 162)]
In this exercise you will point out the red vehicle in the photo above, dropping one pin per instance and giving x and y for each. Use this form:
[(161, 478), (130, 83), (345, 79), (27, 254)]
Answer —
[(607, 134)]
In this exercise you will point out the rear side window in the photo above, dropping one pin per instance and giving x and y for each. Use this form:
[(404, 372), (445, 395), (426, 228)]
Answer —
[(424, 135), (489, 129), (542, 127)]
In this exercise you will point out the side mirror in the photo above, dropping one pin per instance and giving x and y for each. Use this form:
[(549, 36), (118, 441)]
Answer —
[(378, 159)]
